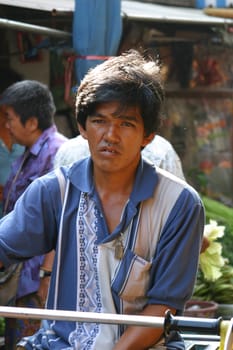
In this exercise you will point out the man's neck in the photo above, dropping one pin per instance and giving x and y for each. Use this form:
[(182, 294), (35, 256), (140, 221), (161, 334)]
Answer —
[(114, 183), (114, 193), (32, 138)]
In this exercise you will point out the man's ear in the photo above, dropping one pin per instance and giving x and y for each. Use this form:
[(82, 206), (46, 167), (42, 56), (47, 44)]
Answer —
[(148, 139), (82, 131), (32, 124)]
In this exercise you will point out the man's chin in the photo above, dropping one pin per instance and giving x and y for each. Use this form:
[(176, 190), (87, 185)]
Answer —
[(14, 140)]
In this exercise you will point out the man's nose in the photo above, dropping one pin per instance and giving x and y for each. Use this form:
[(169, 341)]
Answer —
[(113, 132), (7, 124)]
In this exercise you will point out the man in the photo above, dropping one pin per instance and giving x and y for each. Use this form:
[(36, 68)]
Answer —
[(121, 217), (29, 109)]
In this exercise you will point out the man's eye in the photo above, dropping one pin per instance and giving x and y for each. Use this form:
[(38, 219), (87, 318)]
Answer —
[(127, 124), (97, 121)]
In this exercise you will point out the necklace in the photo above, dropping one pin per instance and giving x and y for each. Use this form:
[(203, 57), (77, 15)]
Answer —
[(119, 247)]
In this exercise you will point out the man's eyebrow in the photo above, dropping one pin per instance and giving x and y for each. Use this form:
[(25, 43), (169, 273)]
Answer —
[(115, 115), (132, 118)]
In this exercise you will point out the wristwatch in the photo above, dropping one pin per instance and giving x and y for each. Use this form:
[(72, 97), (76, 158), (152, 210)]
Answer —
[(44, 273)]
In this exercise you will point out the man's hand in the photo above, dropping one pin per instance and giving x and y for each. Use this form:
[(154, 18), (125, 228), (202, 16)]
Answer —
[(43, 290)]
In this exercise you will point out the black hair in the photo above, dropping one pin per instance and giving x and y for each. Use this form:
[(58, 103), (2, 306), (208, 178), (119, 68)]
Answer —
[(30, 98), (131, 80)]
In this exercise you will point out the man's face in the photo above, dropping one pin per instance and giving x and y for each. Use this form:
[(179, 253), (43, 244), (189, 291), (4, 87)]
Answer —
[(2, 117), (115, 137), (18, 131)]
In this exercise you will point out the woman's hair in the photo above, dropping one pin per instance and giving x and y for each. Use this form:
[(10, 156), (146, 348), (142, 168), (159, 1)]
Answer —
[(131, 80), (30, 98)]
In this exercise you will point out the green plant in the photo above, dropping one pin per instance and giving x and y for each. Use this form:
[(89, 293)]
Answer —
[(220, 290), (223, 214), (215, 276), (2, 326)]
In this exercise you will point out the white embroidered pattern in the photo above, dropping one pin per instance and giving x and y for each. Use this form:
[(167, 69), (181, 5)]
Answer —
[(84, 335)]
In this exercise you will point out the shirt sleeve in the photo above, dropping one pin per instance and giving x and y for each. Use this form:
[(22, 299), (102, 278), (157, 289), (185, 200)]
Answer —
[(176, 260), (31, 228)]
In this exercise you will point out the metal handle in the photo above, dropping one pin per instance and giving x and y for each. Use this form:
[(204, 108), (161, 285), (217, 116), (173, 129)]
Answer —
[(199, 325)]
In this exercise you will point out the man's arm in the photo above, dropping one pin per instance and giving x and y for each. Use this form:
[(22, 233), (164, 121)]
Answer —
[(36, 229), (47, 266), (140, 338)]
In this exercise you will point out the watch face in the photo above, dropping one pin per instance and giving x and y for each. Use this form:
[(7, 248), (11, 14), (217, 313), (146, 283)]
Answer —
[(43, 273)]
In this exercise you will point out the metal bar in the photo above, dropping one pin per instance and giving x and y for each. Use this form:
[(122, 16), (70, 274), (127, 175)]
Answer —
[(77, 316), (198, 337), (33, 28)]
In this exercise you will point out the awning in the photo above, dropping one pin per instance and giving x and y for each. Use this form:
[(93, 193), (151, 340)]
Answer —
[(42, 5), (134, 10), (15, 25), (170, 14)]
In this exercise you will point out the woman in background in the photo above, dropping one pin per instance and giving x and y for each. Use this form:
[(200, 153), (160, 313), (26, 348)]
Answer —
[(9, 151)]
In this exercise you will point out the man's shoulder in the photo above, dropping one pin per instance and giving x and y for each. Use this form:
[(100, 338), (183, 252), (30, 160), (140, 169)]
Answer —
[(52, 133), (71, 151), (173, 185), (59, 137), (54, 141), (77, 142), (169, 195)]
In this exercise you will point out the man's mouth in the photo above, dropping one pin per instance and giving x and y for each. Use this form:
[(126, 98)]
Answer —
[(110, 150)]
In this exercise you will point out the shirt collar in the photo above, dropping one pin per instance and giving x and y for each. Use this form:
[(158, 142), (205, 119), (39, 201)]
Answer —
[(145, 181), (144, 186), (36, 147)]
